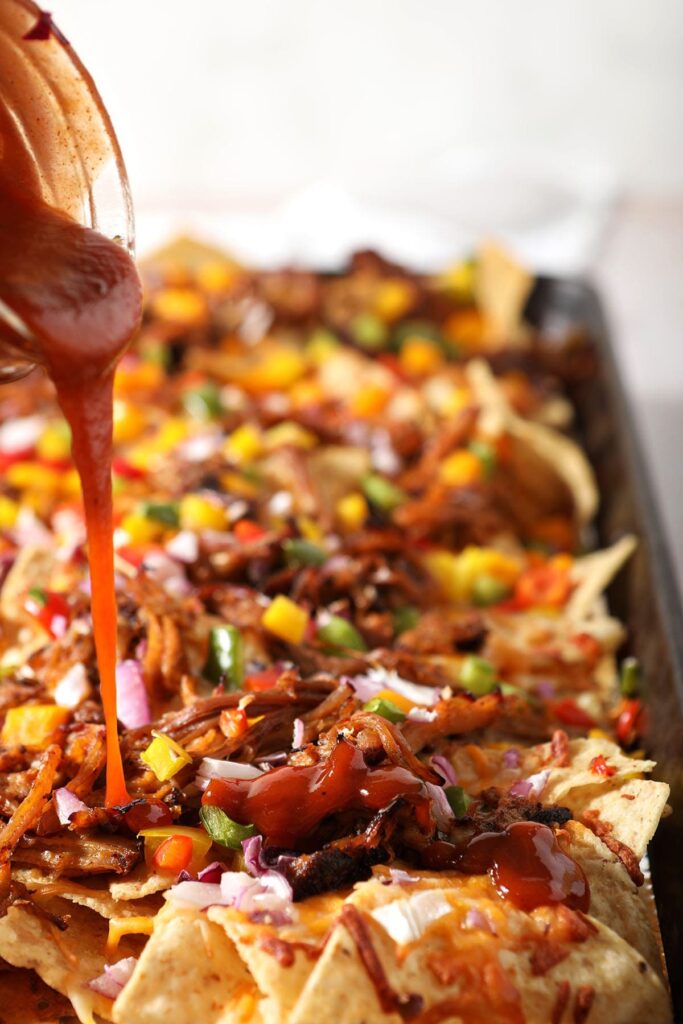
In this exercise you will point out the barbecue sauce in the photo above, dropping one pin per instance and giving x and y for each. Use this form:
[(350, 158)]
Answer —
[(79, 295)]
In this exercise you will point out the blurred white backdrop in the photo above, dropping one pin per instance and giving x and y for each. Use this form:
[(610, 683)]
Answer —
[(296, 128)]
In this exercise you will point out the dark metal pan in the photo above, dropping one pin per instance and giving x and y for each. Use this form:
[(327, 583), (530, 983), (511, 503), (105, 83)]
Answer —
[(644, 596)]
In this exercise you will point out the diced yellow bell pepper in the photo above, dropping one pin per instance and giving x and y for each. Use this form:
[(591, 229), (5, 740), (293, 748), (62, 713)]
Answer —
[(352, 511), (244, 444), (233, 483), (33, 476), (285, 619), (393, 299), (33, 725), (140, 529), (459, 280), (420, 356), (71, 484), (55, 441), (398, 699), (134, 376), (120, 926), (288, 433), (129, 421), (369, 400), (456, 574), (321, 345), (310, 530), (198, 513), (180, 306), (461, 469), (164, 756), (216, 276), (9, 510), (171, 434), (277, 369)]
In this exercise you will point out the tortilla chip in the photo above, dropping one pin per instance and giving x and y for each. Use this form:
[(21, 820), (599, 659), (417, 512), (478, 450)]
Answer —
[(190, 973), (31, 568), (502, 288), (139, 883), (92, 896), (66, 960), (593, 574), (185, 252), (615, 899), (470, 973), (554, 448)]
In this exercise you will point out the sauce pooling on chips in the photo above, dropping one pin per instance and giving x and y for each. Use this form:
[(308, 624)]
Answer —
[(79, 295)]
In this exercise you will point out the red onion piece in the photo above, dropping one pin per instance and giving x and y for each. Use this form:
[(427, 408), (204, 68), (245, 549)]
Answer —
[(298, 733), (66, 804), (530, 788), (115, 976), (131, 695), (442, 810), (443, 767), (73, 687), (400, 877), (196, 894), (545, 689), (512, 758), (476, 919), (421, 715), (184, 547)]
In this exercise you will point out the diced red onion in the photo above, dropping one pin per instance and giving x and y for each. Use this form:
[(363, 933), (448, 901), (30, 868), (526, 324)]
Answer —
[(166, 571), (28, 531), (530, 788), (400, 877), (512, 758), (268, 896), (370, 683), (476, 919), (216, 540), (73, 687), (421, 715), (443, 767), (256, 862), (212, 872), (545, 689), (442, 810), (66, 804), (114, 977), (201, 447), (20, 434), (213, 768), (196, 894), (298, 733), (131, 695), (184, 547)]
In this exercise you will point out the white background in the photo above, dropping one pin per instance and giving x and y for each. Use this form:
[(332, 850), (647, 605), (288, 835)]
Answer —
[(226, 105)]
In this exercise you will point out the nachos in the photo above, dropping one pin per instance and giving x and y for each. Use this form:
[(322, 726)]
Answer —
[(382, 757)]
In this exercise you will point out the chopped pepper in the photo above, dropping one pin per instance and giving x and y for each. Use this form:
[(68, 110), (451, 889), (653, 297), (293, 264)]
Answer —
[(225, 660), (223, 829), (165, 757), (285, 619), (385, 708), (477, 675), (339, 632)]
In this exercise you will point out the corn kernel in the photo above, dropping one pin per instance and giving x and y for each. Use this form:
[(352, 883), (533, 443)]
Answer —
[(32, 725), (55, 442), (164, 756), (461, 469), (288, 433), (352, 511), (33, 476), (369, 401), (129, 421), (9, 510), (244, 444), (180, 305), (420, 356), (285, 619), (140, 529), (393, 299), (198, 513)]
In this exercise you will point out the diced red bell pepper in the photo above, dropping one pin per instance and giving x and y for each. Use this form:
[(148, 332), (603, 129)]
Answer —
[(599, 766), (247, 530), (629, 721), (173, 855), (542, 586), (589, 647), (50, 609), (568, 712), (121, 467), (134, 555), (8, 459), (234, 723), (257, 682)]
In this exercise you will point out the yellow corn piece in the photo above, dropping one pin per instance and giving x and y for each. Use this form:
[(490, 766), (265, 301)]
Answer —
[(133, 377), (456, 574), (216, 276), (352, 511), (461, 469), (129, 421), (140, 529), (33, 476), (180, 306), (398, 699), (244, 444), (198, 513), (164, 756), (32, 725), (120, 926), (9, 510), (233, 483), (285, 619), (369, 401), (459, 280), (277, 369), (55, 442), (393, 299), (310, 530), (288, 433), (420, 356)]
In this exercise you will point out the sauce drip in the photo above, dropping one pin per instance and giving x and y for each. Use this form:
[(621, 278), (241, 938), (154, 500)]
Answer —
[(527, 866), (79, 295), (288, 803)]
